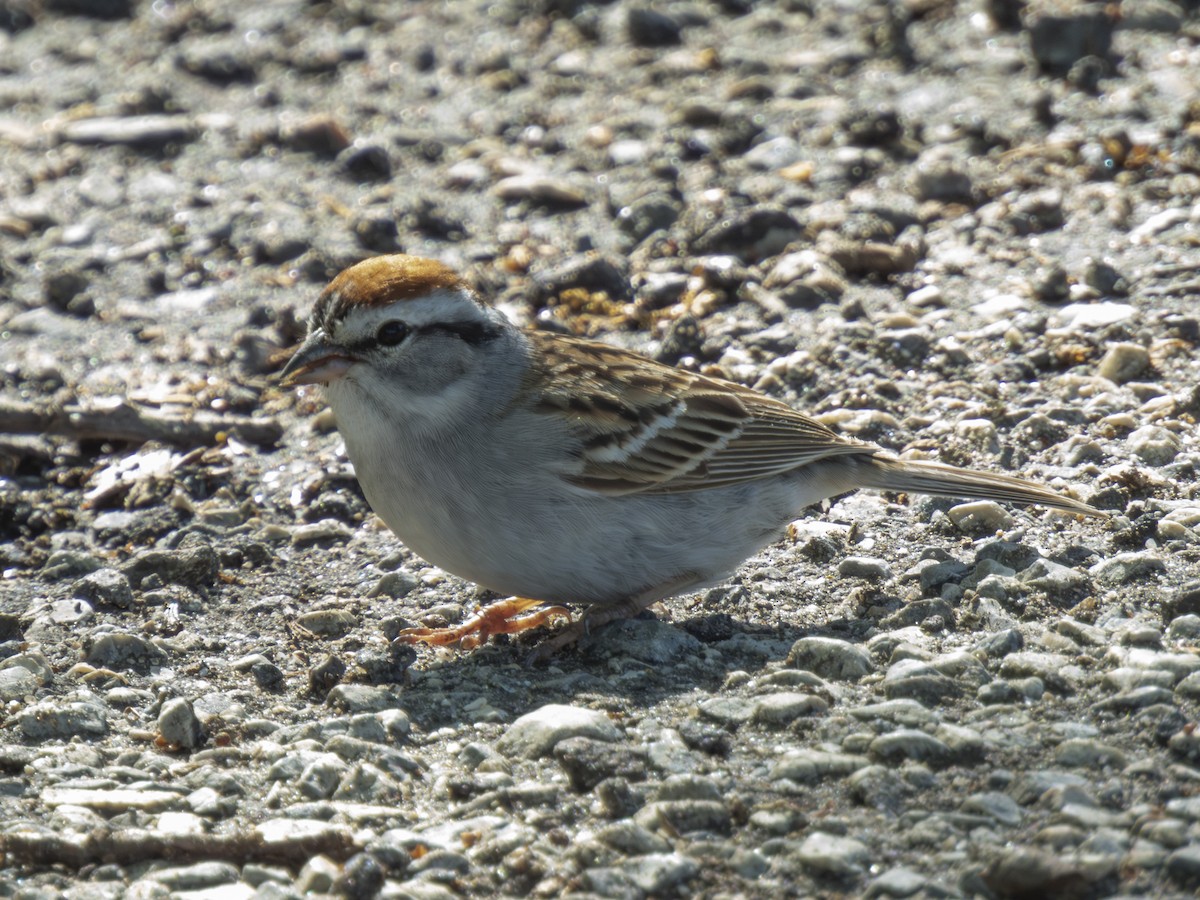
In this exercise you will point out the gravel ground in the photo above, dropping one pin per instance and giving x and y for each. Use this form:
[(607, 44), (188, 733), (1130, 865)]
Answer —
[(968, 231)]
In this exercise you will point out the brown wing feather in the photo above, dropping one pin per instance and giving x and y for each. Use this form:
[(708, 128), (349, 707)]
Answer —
[(648, 427)]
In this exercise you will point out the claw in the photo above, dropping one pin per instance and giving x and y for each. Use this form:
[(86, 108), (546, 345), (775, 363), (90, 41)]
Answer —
[(503, 617)]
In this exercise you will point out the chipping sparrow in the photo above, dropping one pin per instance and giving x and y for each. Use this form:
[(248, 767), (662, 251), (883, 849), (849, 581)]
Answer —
[(566, 470)]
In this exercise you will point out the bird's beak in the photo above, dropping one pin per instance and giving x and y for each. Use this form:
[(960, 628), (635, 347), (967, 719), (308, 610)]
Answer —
[(317, 361)]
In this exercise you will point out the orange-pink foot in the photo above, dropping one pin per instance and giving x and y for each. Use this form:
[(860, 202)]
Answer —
[(502, 617)]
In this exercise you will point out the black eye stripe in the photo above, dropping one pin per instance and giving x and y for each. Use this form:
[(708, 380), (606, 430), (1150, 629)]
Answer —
[(473, 333)]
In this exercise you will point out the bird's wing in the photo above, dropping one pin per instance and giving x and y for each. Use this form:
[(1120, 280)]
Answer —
[(645, 427)]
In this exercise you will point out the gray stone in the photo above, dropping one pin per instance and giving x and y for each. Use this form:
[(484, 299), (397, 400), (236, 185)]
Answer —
[(831, 854), (70, 563), (911, 744), (70, 613), (775, 153), (17, 683), (362, 698), (1012, 555), (322, 532), (118, 650), (1128, 567), (631, 838), (902, 712), (1049, 667), (751, 234), (1031, 688), (178, 725), (966, 744), (689, 787), (112, 801), (206, 801), (660, 873), (1185, 808), (1124, 362), (536, 733), (1154, 445), (879, 787), (1022, 872), (106, 587), (1180, 665), (1002, 643), (940, 177), (193, 564), (1183, 866), (317, 876), (656, 211), (61, 718), (980, 516), (1140, 635), (778, 820), (963, 665), (197, 876), (1081, 633), (999, 692), (1088, 752), (685, 816), (830, 658), (650, 641), (986, 568), (950, 571), (1185, 627), (898, 882), (327, 622), (728, 710), (1136, 698), (395, 585), (920, 612), (1031, 786), (1000, 807), (1189, 687), (1060, 582), (1090, 818), (540, 189), (930, 689), (367, 783), (807, 765), (33, 662), (1167, 832), (320, 778), (909, 667), (587, 762), (867, 567), (780, 710)]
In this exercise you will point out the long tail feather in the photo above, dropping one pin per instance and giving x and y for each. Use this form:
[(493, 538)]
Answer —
[(940, 480)]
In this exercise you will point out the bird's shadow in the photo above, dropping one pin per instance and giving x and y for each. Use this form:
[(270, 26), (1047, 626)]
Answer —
[(630, 665)]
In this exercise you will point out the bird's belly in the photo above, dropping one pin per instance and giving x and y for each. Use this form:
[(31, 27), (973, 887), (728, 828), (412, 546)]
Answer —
[(504, 551), (573, 547)]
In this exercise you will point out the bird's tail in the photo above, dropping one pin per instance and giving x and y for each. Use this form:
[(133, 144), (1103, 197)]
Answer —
[(921, 477)]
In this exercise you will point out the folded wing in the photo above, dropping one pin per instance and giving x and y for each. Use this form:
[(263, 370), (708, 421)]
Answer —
[(646, 427)]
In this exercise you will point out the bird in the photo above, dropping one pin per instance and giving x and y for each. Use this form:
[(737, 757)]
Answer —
[(564, 472)]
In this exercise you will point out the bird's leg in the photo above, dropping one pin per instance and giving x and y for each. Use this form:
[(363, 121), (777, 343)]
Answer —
[(603, 614), (502, 617)]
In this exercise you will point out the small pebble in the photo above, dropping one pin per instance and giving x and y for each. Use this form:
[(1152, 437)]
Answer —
[(178, 725)]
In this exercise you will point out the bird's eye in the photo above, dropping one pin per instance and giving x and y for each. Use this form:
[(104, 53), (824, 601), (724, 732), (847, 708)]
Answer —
[(391, 333)]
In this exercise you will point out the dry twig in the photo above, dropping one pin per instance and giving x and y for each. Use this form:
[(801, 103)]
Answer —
[(129, 845), (123, 421)]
